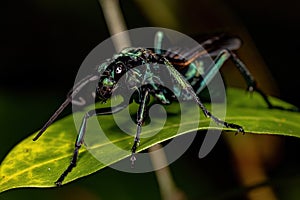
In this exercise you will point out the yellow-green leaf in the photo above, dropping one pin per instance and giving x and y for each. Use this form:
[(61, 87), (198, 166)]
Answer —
[(40, 163)]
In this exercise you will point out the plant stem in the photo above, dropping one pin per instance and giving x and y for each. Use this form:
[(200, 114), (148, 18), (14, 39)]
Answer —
[(116, 24)]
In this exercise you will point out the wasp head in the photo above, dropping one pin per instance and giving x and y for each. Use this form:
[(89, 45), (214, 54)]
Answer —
[(110, 73)]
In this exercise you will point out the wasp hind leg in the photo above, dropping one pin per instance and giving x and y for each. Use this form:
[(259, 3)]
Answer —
[(219, 61), (252, 84)]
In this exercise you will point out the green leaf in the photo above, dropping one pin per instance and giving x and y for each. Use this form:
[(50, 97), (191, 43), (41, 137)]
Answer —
[(40, 163)]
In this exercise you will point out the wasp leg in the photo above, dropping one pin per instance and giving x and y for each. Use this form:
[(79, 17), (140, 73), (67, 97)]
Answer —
[(223, 56), (140, 119), (217, 120), (81, 134), (252, 85), (158, 42), (219, 61), (186, 86)]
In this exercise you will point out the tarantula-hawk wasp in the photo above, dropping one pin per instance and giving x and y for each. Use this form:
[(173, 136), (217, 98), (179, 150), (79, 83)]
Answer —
[(178, 63)]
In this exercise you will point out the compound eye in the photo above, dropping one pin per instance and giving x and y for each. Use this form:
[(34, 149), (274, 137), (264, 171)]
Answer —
[(120, 68)]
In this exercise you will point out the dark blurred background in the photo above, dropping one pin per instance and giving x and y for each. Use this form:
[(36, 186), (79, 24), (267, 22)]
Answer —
[(44, 42)]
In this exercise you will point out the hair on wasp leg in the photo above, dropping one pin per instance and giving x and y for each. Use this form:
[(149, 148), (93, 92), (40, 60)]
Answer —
[(182, 69)]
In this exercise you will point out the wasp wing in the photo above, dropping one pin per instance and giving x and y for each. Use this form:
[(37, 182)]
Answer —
[(210, 45)]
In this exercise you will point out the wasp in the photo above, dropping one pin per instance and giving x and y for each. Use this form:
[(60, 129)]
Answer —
[(177, 63)]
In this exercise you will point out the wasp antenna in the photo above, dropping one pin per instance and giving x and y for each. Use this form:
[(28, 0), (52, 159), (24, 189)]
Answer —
[(71, 94), (53, 117)]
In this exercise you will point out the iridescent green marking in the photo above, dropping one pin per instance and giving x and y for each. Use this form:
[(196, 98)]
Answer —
[(214, 69), (108, 82)]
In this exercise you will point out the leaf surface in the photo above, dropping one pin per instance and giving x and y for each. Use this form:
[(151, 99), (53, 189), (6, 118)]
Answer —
[(40, 163)]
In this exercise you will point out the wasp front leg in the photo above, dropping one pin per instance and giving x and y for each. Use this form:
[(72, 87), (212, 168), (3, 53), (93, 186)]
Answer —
[(81, 135), (144, 98)]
